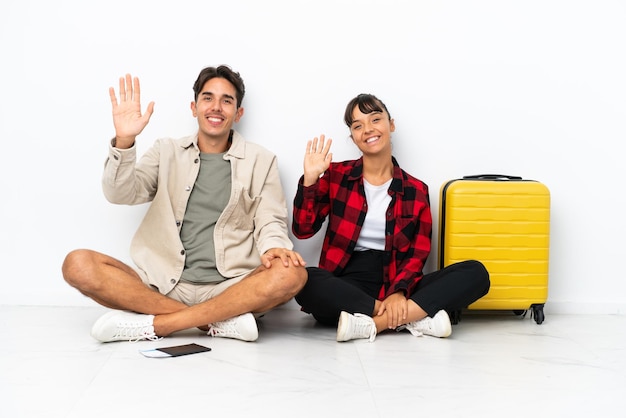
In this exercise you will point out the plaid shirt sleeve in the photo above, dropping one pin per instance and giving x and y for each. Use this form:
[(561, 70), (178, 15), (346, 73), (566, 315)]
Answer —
[(338, 195), (310, 208), (409, 243)]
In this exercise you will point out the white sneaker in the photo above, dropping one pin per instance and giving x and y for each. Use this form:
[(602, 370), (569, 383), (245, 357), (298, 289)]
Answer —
[(124, 326), (242, 327), (437, 326), (355, 326)]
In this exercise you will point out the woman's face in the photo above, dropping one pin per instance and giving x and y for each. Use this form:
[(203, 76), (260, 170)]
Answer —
[(371, 132)]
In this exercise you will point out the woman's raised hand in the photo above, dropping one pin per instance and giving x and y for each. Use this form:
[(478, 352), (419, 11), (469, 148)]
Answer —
[(317, 159)]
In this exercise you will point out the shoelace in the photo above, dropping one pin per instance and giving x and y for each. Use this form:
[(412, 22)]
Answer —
[(134, 332), (412, 327), (151, 337), (223, 329), (364, 326)]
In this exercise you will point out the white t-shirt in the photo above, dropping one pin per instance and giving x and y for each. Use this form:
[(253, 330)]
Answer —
[(372, 235)]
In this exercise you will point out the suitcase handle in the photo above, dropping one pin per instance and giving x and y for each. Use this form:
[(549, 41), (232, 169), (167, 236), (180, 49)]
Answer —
[(491, 177)]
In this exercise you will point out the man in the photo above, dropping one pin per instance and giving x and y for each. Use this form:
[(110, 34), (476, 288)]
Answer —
[(217, 208)]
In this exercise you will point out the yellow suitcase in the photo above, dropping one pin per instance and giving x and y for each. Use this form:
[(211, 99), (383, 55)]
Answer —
[(504, 222)]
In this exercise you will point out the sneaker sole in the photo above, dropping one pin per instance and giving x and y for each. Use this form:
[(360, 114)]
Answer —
[(341, 332), (444, 320), (97, 327), (252, 333)]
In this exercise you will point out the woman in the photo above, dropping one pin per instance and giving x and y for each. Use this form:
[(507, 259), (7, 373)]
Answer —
[(378, 238)]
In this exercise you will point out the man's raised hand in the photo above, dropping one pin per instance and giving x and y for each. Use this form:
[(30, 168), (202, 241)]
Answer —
[(127, 117)]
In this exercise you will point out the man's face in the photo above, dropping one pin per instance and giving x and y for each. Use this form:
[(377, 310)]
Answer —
[(216, 109)]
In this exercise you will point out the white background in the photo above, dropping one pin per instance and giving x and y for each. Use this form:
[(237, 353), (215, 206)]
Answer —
[(529, 88)]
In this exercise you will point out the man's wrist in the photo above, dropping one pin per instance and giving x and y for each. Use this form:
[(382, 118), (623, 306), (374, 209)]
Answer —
[(114, 143)]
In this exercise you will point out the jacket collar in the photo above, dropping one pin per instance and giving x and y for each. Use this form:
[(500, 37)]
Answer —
[(356, 173), (237, 145), (237, 148)]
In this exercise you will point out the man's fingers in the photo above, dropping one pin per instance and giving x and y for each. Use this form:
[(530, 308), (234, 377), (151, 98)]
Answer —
[(137, 90), (112, 96)]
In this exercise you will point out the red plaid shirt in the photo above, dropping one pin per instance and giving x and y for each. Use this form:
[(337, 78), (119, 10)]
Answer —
[(339, 194)]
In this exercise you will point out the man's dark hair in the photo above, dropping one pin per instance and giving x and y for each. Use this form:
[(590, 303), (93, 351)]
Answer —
[(225, 72)]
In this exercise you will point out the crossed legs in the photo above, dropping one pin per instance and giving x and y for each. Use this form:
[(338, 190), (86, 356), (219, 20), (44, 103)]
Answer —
[(116, 285)]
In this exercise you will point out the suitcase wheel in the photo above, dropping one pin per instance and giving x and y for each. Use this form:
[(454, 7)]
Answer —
[(537, 313)]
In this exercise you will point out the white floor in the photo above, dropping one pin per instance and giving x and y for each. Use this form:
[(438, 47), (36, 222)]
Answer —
[(497, 365)]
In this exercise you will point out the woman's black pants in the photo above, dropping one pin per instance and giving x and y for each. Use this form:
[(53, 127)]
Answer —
[(325, 295)]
